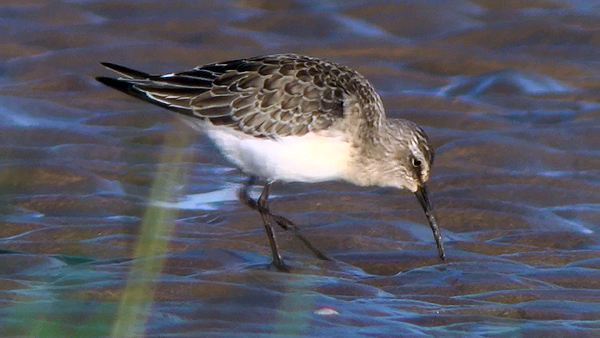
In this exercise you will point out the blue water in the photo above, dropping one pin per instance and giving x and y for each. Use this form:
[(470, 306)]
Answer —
[(118, 220)]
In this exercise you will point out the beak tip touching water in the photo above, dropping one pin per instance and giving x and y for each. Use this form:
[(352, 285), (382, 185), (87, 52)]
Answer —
[(423, 197)]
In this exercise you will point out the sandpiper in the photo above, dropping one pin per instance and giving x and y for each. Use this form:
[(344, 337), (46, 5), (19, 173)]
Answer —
[(293, 118)]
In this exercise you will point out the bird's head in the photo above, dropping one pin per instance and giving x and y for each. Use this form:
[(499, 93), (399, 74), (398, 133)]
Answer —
[(404, 157)]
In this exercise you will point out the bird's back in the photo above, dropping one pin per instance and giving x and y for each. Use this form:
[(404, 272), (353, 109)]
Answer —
[(268, 96)]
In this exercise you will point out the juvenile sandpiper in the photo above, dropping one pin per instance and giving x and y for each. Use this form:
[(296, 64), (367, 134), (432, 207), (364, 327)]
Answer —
[(293, 118)]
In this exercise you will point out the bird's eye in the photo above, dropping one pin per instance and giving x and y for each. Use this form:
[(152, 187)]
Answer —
[(416, 162)]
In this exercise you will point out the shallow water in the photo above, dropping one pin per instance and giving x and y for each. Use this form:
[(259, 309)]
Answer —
[(117, 219)]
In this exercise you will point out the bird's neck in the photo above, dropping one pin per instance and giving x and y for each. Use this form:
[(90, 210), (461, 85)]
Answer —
[(367, 149)]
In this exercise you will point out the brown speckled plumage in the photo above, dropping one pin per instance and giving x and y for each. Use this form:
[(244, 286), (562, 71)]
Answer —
[(276, 95)]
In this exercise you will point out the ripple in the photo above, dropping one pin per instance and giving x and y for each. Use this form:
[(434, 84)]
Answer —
[(507, 92), (508, 81)]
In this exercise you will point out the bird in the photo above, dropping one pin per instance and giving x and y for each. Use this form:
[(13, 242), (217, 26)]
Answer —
[(293, 118)]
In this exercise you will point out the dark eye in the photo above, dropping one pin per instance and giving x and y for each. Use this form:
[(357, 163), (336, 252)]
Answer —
[(416, 162)]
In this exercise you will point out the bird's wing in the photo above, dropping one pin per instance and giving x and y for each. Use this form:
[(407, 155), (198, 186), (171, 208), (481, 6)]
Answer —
[(269, 96)]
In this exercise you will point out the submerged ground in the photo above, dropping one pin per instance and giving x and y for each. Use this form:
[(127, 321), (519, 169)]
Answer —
[(118, 219)]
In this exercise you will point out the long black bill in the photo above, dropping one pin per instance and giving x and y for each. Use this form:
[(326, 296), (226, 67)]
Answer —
[(423, 197)]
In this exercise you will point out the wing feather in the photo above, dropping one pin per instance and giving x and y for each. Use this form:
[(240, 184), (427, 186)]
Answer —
[(269, 96)]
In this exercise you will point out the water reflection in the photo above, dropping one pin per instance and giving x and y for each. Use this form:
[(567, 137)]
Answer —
[(507, 91)]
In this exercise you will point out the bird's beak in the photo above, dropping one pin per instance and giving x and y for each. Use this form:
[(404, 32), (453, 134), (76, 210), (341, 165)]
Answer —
[(423, 197)]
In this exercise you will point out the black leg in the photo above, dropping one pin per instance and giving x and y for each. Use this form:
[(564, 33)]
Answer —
[(262, 206), (264, 212)]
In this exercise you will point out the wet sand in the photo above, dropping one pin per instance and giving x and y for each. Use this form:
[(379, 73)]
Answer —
[(117, 219)]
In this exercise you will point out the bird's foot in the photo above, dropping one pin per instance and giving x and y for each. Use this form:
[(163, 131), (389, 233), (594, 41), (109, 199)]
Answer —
[(280, 266), (283, 222), (287, 225)]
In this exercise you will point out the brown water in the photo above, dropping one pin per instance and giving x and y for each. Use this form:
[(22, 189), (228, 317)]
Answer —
[(116, 219)]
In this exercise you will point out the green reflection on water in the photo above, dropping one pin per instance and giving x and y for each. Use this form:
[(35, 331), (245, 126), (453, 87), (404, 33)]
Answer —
[(150, 247)]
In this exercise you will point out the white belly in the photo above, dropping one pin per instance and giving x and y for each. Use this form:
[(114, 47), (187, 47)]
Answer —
[(308, 158)]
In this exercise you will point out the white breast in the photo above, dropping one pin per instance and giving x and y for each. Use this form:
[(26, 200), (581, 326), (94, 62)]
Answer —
[(309, 158)]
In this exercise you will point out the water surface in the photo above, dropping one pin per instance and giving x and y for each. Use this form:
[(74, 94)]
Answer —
[(117, 219)]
